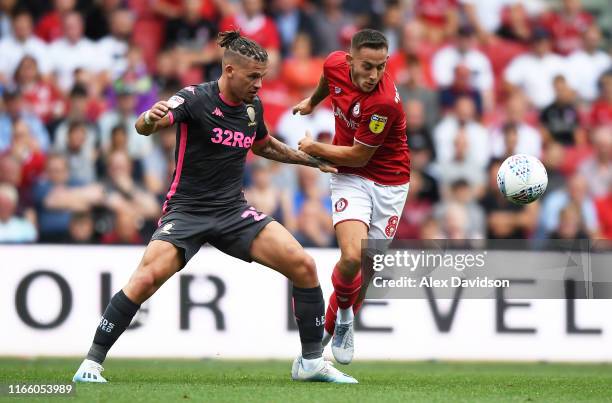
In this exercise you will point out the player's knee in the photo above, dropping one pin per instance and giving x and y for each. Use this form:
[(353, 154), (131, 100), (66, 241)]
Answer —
[(350, 261), (305, 272)]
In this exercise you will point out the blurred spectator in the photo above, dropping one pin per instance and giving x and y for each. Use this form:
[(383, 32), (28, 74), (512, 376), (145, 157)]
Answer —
[(12, 227), (332, 23), (534, 72), (567, 26), (392, 23), (57, 197), (39, 96), (411, 64), (124, 232), (276, 95), (417, 132), (51, 26), (124, 192), (268, 199), (461, 121), (80, 158), (26, 151), (597, 170), (313, 209), (77, 112), (571, 225), (255, 25), (292, 20), (516, 25), (553, 158), (166, 73), (463, 51), (15, 110), (113, 48), (302, 72), (604, 213), (190, 30), (159, 164), (416, 210), (506, 220), (81, 228), (560, 120), (601, 111), (485, 15), (528, 140), (585, 65), (460, 168), (6, 8), (139, 146), (414, 89), (73, 51), (576, 192), (461, 86), (454, 223), (98, 19), (21, 43), (461, 195), (439, 17)]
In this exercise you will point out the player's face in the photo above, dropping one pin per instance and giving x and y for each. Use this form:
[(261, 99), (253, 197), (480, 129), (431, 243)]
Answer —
[(367, 67), (246, 79)]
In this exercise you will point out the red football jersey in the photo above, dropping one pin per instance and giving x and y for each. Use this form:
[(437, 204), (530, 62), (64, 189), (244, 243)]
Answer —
[(375, 119), (567, 32)]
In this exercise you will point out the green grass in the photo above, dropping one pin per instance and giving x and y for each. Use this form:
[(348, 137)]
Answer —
[(269, 381)]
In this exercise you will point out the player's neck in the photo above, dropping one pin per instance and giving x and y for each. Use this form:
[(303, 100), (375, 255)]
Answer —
[(226, 94)]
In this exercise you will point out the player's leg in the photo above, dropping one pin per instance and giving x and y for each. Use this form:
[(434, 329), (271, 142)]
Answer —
[(352, 214), (276, 248), (160, 261)]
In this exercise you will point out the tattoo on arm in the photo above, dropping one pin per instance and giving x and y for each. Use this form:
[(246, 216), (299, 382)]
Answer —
[(278, 151), (321, 92)]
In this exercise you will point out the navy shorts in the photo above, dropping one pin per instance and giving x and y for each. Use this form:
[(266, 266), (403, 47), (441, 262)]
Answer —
[(231, 229)]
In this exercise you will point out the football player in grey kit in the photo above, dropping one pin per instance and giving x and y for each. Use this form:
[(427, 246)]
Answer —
[(217, 123)]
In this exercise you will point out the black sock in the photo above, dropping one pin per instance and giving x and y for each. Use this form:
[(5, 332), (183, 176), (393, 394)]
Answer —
[(115, 320), (309, 309)]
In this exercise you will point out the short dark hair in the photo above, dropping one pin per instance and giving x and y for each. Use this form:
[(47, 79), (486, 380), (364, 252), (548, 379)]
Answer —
[(369, 38), (234, 42)]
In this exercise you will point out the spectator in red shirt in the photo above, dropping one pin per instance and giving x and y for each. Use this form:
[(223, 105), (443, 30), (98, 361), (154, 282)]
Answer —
[(439, 17), (301, 72), (601, 111), (40, 97), (567, 26), (255, 25), (25, 149), (50, 28)]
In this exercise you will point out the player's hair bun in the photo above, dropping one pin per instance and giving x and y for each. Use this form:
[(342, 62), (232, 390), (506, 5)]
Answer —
[(227, 38)]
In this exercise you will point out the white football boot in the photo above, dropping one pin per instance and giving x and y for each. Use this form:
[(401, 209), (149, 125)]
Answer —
[(89, 371), (342, 343), (324, 371)]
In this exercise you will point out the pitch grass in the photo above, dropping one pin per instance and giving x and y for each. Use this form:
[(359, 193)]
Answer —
[(269, 381)]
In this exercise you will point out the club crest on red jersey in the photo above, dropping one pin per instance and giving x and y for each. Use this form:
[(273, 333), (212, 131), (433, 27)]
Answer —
[(340, 205), (357, 109)]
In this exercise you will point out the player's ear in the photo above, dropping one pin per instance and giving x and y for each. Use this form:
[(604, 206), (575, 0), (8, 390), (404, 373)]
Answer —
[(349, 58), (229, 70)]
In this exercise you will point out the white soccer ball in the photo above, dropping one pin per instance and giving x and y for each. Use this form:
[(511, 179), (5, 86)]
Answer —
[(522, 178)]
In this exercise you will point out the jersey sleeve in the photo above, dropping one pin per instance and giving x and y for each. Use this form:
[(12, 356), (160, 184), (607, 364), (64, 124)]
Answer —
[(376, 120), (262, 130), (182, 105)]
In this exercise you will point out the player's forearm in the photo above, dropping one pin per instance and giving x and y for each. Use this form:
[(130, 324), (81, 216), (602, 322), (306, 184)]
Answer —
[(337, 155), (321, 92), (277, 151), (144, 128)]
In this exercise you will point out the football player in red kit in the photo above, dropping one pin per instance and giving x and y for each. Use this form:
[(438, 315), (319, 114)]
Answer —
[(371, 153)]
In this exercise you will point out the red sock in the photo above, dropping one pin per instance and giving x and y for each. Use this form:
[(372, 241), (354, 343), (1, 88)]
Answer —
[(332, 312), (347, 292)]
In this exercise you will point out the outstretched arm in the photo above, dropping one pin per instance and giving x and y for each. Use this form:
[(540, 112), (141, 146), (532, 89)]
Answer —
[(356, 155), (275, 150), (154, 119), (307, 105)]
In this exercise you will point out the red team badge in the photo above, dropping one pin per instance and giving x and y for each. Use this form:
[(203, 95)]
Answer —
[(341, 205)]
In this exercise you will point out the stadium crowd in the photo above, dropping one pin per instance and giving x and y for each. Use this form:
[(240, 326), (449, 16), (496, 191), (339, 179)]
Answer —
[(479, 79)]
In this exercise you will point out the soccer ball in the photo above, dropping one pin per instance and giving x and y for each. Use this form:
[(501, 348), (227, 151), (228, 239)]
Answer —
[(522, 179)]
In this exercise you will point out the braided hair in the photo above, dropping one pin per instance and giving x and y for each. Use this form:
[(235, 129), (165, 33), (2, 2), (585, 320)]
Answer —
[(232, 41)]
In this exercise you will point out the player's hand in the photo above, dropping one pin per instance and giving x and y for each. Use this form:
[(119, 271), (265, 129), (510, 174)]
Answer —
[(159, 110), (303, 108), (306, 143)]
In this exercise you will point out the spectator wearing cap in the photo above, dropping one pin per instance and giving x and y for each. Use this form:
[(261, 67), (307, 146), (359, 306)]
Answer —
[(21, 43), (528, 140), (601, 110), (560, 121), (463, 51), (586, 65), (15, 110), (13, 228), (534, 72), (567, 26)]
